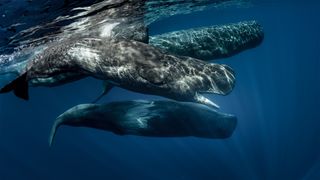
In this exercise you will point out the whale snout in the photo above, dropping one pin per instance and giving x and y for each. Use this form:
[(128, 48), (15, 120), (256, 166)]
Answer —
[(202, 78), (225, 79), (215, 79), (220, 79)]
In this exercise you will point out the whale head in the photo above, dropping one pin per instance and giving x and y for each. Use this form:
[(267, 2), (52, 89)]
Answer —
[(187, 79)]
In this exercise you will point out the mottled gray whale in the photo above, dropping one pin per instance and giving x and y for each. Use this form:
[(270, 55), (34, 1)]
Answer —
[(128, 64), (150, 118)]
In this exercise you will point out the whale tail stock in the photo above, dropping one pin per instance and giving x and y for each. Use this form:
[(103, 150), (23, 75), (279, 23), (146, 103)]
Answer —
[(57, 123), (53, 133), (19, 86)]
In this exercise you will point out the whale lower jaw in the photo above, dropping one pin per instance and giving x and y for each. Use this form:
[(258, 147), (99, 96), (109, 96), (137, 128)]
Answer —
[(203, 100)]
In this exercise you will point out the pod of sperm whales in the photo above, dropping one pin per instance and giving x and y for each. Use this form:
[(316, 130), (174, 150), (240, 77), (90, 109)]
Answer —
[(110, 43), (213, 42), (149, 118), (128, 64)]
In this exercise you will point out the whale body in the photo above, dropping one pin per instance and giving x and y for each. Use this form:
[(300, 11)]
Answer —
[(213, 42), (150, 118), (128, 64)]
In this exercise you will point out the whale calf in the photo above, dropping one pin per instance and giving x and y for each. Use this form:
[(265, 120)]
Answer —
[(149, 118), (128, 64)]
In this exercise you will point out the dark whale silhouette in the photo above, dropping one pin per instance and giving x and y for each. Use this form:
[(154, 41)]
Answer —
[(150, 118)]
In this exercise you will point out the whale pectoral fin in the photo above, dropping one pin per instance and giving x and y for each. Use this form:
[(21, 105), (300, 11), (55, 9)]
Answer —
[(19, 87), (107, 86)]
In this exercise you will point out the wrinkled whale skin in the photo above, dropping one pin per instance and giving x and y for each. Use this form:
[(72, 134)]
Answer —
[(150, 118), (131, 65)]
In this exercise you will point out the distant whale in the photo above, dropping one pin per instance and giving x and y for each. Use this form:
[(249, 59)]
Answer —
[(149, 118), (128, 64), (213, 42)]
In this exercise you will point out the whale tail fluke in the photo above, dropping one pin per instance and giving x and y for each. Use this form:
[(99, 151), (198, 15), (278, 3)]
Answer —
[(54, 129), (19, 87)]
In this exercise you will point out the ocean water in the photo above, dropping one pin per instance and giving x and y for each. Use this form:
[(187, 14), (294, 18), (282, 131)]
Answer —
[(276, 100)]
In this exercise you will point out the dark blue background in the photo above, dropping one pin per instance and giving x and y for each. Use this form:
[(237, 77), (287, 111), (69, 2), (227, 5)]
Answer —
[(276, 100)]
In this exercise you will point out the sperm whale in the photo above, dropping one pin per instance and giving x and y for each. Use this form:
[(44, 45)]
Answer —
[(128, 64), (213, 42), (149, 118)]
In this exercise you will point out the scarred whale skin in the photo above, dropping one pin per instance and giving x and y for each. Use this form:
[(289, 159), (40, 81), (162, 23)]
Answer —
[(150, 118), (208, 43), (128, 64)]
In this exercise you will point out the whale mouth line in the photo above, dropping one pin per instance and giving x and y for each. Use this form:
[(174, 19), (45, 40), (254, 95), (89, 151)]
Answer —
[(199, 96)]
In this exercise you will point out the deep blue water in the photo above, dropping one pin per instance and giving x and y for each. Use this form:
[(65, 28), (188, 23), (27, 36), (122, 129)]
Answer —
[(276, 100)]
